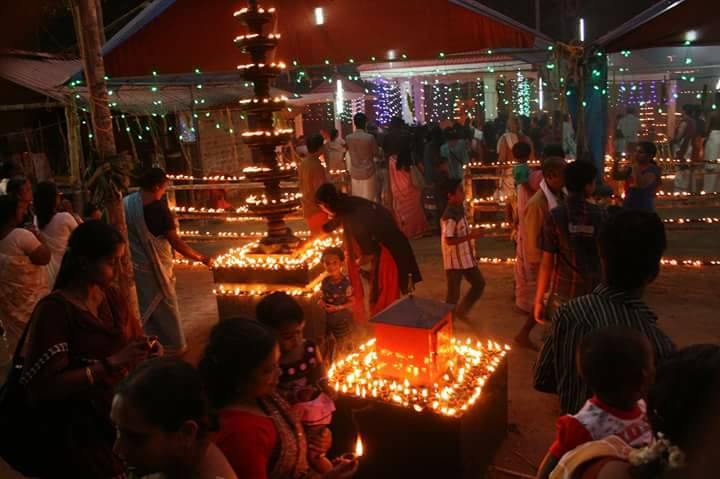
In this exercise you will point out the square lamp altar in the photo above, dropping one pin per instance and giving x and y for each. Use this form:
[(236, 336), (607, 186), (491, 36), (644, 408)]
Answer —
[(426, 404), (243, 277)]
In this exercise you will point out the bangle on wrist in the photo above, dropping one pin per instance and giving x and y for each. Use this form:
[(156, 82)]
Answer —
[(89, 375)]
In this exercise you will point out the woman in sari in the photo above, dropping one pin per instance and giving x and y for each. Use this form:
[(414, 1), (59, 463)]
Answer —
[(55, 225), (153, 235), (258, 434), (376, 248), (22, 277), (312, 175), (406, 197), (81, 341)]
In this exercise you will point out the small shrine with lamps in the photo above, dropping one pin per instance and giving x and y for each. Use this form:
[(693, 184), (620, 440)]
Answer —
[(426, 403), (413, 340)]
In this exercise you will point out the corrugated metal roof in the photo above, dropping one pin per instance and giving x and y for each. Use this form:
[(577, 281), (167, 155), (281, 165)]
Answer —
[(39, 72), (47, 75)]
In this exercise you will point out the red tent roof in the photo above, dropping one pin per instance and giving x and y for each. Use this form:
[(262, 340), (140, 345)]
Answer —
[(199, 34)]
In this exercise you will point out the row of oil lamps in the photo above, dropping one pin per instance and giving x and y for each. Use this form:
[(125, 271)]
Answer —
[(360, 375)]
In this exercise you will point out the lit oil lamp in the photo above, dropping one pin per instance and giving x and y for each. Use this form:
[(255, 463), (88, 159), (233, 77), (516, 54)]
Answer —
[(357, 453)]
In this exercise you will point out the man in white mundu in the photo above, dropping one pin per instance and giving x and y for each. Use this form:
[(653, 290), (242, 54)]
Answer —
[(363, 148)]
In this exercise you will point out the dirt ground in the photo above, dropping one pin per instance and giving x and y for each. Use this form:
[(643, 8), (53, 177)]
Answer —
[(686, 300)]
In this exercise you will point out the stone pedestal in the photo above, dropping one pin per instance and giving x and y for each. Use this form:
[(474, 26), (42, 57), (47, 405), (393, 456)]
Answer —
[(400, 442)]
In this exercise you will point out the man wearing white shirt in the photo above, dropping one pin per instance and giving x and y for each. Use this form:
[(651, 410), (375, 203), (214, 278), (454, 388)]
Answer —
[(362, 147), (629, 126)]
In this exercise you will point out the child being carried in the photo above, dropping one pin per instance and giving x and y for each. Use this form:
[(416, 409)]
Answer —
[(618, 364), (303, 380)]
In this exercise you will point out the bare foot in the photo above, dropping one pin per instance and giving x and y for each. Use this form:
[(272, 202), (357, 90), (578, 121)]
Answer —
[(523, 341)]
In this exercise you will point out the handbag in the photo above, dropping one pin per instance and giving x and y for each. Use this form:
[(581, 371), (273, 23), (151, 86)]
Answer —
[(15, 413), (417, 178)]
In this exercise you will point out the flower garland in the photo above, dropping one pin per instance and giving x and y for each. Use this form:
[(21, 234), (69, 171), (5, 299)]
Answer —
[(661, 451)]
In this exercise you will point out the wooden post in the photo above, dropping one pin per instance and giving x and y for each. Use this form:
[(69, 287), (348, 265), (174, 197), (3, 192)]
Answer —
[(74, 145), (89, 31)]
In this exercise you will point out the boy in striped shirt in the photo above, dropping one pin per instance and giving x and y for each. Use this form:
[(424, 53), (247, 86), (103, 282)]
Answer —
[(458, 251)]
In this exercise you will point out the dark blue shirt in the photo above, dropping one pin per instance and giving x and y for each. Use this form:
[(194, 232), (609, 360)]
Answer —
[(642, 198)]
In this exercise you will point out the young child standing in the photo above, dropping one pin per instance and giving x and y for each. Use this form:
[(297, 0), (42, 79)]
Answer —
[(303, 379), (618, 364), (458, 251), (337, 298), (521, 171)]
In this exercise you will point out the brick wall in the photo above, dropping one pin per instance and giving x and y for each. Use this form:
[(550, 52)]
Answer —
[(222, 152)]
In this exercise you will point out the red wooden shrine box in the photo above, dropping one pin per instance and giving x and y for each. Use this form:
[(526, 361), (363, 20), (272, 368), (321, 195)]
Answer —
[(413, 340)]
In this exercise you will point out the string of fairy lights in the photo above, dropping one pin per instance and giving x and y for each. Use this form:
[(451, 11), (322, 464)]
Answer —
[(520, 93)]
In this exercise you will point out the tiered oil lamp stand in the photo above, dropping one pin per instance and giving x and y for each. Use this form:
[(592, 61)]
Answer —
[(280, 261)]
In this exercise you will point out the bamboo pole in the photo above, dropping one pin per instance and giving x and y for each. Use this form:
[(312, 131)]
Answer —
[(89, 31)]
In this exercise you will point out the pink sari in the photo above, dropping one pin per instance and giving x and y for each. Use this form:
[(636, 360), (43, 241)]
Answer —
[(406, 197)]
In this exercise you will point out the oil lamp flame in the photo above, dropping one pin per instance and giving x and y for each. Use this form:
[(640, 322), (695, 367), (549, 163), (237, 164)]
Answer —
[(359, 448)]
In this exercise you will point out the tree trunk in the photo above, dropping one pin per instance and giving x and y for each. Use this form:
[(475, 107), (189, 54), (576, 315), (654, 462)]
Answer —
[(88, 26)]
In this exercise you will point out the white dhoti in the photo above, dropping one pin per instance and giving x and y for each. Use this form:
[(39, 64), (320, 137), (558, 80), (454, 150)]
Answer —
[(367, 189), (526, 274), (711, 181)]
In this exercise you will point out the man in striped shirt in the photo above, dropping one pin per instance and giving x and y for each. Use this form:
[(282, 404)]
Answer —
[(631, 246), (570, 265), (458, 251)]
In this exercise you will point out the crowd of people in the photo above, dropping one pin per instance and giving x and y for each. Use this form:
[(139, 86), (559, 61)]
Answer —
[(96, 390), (695, 140)]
